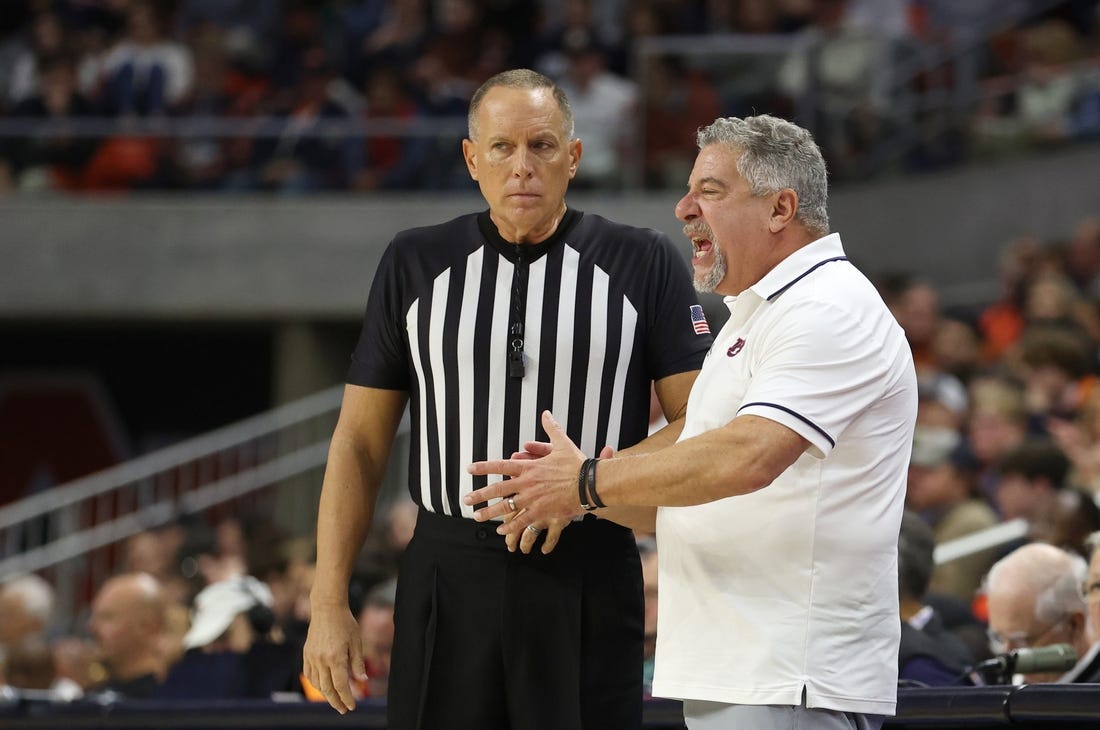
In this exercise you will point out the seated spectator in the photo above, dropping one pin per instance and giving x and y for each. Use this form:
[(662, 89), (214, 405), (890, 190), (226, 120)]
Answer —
[(30, 665), (56, 160), (677, 101), (376, 635), (48, 38), (127, 620), (299, 160), (1034, 600), (1058, 375), (996, 424), (1029, 477), (228, 651), (928, 653), (604, 109), (390, 161), (1079, 440), (27, 606), (1066, 521), (145, 72), (943, 490)]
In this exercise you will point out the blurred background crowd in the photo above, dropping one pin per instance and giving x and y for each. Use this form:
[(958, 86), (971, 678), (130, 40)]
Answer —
[(321, 95), (305, 96)]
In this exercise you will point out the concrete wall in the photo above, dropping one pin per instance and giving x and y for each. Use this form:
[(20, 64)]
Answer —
[(312, 258)]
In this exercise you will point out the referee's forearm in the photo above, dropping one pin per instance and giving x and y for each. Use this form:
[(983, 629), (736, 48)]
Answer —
[(344, 516)]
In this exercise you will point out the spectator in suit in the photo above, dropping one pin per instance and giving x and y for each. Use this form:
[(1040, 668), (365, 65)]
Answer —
[(928, 654)]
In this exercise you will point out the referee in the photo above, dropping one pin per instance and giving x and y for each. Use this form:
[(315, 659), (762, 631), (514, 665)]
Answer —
[(478, 324)]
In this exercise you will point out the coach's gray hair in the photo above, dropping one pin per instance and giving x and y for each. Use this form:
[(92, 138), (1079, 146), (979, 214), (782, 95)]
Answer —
[(776, 154), (520, 78)]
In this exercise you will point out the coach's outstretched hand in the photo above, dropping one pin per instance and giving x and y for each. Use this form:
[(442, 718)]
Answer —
[(543, 490)]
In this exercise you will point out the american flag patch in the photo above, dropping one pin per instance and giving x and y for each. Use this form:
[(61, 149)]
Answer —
[(699, 320)]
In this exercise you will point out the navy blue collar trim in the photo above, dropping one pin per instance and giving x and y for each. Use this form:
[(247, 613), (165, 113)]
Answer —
[(806, 273)]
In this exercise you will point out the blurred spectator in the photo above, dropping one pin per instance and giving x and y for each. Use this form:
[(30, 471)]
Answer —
[(300, 160), (575, 25), (1032, 104), (53, 158), (146, 73), (1083, 256), (1002, 322), (1066, 521), (27, 606), (391, 34), (677, 101), (996, 424), (390, 161), (29, 664), (604, 109), (956, 348), (449, 69), (229, 653), (915, 305), (928, 653), (247, 24), (1079, 440), (845, 68), (376, 635), (76, 660), (1035, 600), (942, 489), (1057, 371), (127, 620), (48, 38), (1029, 477)]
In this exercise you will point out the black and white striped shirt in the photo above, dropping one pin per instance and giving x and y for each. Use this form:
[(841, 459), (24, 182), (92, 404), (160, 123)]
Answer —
[(604, 309)]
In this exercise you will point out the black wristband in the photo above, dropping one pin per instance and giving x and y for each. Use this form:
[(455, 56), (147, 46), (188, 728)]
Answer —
[(592, 493), (582, 484)]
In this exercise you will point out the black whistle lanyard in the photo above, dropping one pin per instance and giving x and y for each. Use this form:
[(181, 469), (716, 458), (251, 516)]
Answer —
[(516, 358)]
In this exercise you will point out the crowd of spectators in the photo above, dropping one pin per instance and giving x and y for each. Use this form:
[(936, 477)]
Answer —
[(198, 609), (319, 95), (1008, 428), (1008, 425)]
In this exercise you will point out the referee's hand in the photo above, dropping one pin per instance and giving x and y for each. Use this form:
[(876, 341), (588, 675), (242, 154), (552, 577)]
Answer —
[(332, 650)]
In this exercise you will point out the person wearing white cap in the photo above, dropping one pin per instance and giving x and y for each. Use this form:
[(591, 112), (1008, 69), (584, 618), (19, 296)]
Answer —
[(230, 653), (229, 615)]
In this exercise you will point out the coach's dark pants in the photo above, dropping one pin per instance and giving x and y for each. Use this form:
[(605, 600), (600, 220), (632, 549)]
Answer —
[(491, 640)]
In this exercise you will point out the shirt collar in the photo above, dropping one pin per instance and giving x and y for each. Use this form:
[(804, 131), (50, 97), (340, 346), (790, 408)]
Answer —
[(800, 263)]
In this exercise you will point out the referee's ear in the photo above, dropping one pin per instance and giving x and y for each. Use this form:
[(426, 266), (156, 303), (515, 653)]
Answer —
[(576, 148), (469, 153)]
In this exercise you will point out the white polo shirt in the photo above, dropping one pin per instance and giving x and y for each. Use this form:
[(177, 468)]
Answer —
[(795, 586)]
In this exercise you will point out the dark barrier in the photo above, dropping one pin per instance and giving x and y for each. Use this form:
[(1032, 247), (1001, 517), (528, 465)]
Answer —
[(1028, 707)]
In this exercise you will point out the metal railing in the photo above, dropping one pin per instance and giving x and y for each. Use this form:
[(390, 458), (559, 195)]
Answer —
[(72, 532)]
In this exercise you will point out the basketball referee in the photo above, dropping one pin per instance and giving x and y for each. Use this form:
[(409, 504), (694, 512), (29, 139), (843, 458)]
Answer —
[(479, 324)]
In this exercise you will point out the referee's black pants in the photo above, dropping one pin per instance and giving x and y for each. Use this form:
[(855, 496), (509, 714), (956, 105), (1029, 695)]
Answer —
[(486, 639)]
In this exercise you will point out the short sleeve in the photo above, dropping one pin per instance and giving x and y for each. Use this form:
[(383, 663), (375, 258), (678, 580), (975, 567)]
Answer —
[(679, 336), (817, 372), (380, 358)]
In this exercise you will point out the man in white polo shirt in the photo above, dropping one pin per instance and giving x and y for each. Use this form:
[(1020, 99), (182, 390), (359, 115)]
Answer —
[(779, 507)]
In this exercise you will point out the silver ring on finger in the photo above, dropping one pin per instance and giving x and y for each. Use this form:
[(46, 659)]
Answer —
[(512, 503), (536, 530)]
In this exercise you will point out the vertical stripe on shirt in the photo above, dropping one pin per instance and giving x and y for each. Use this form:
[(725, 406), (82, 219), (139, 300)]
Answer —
[(467, 321)]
